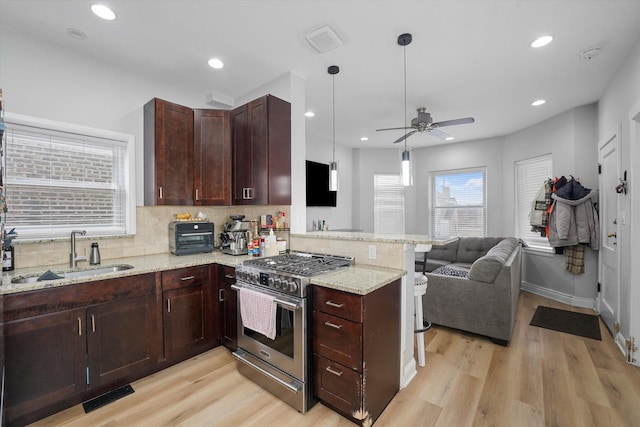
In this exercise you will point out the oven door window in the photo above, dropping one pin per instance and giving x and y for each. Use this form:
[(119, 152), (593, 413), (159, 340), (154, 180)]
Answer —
[(284, 341)]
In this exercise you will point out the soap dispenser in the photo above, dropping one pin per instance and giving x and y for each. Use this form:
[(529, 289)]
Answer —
[(95, 254)]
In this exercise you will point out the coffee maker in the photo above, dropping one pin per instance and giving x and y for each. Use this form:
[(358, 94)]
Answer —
[(235, 236)]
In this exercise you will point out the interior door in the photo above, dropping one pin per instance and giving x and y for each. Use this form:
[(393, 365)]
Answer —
[(609, 259)]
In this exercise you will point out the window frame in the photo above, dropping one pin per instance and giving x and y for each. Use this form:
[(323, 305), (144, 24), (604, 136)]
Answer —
[(433, 175), (13, 120), (533, 241)]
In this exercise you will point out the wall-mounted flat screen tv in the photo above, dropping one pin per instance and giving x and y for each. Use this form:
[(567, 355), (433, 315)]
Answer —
[(318, 193)]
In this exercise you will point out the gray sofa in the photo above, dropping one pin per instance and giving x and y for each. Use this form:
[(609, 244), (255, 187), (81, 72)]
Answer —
[(474, 284)]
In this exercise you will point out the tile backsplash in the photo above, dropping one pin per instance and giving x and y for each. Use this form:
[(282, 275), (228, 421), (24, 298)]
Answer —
[(151, 235)]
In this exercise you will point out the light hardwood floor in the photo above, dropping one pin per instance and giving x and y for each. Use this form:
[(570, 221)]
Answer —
[(544, 378)]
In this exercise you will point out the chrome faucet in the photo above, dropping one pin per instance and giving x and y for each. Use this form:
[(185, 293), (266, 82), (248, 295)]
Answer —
[(73, 258)]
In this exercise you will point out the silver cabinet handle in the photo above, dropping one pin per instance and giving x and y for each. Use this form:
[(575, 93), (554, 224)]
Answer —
[(187, 278), (333, 304), (333, 325), (333, 371), (80, 326), (159, 192), (229, 276), (93, 323), (221, 295), (197, 195), (168, 305)]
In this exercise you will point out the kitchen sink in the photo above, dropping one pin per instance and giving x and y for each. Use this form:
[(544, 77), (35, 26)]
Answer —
[(56, 275)]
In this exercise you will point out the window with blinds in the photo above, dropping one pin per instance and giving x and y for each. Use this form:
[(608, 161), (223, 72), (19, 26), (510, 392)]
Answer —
[(458, 203), (530, 177), (388, 204), (58, 181)]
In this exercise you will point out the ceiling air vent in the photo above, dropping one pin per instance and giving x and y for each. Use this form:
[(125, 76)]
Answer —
[(323, 39)]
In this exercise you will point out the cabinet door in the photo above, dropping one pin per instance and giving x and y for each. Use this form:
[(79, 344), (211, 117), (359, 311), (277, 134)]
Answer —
[(120, 337), (258, 111), (212, 157), (229, 302), (45, 360), (173, 152), (184, 321), (242, 155)]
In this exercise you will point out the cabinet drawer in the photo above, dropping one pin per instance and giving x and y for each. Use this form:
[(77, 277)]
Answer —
[(181, 277), (338, 339), (341, 304), (337, 385)]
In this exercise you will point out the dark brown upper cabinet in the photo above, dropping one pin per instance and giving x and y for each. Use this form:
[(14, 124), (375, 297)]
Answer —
[(261, 135), (212, 157)]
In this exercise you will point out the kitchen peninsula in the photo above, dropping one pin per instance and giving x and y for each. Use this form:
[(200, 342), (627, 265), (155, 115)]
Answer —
[(392, 251)]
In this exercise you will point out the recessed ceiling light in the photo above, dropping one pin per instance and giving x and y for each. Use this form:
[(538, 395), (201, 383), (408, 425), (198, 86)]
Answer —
[(309, 114), (538, 102), (541, 41), (76, 34), (103, 12), (449, 138), (215, 63), (364, 138)]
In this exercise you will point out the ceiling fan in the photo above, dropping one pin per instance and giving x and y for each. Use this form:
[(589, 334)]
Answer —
[(424, 123)]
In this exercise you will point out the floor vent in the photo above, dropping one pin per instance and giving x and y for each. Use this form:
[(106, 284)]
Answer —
[(105, 399)]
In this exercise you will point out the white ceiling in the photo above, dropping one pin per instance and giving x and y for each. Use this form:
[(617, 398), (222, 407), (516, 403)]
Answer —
[(468, 58)]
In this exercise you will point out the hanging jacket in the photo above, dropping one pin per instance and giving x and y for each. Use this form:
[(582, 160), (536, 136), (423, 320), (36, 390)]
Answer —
[(539, 216), (573, 219)]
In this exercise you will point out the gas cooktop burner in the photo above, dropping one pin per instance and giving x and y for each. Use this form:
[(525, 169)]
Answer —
[(300, 263)]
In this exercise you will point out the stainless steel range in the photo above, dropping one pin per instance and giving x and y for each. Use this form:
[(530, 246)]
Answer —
[(282, 365)]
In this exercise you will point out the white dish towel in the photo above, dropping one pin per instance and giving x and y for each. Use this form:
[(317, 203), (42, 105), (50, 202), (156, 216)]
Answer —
[(258, 312)]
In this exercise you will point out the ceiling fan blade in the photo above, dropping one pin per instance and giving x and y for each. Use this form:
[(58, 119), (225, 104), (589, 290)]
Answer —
[(405, 128), (454, 122), (437, 133), (402, 138)]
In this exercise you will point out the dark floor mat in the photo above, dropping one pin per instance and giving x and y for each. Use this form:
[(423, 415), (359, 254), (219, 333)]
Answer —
[(104, 399), (584, 325)]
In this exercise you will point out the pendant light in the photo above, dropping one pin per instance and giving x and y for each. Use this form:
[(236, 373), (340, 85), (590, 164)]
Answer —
[(407, 173), (333, 167)]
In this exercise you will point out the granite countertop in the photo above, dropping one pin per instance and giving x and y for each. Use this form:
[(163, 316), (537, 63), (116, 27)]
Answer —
[(373, 237), (141, 264), (359, 279)]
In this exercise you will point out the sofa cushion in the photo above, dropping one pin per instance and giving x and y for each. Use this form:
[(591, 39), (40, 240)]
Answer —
[(432, 264), (472, 248), (487, 267), (447, 252)]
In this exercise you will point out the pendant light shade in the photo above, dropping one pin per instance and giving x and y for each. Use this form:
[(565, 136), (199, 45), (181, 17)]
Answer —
[(333, 167), (407, 172)]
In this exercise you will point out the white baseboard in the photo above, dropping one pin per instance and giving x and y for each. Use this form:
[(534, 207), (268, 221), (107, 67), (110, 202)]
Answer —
[(560, 296), (409, 373)]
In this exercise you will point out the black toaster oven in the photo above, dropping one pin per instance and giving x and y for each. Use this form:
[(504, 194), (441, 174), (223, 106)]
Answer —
[(190, 237)]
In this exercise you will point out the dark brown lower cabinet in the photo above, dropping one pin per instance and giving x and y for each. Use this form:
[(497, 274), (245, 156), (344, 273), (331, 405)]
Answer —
[(356, 350), (45, 361), (228, 299), (118, 344)]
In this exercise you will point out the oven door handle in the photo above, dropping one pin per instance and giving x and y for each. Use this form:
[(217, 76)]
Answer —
[(291, 305), (291, 387), (202, 233)]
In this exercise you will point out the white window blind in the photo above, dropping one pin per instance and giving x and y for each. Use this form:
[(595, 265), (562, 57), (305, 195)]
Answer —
[(388, 204), (58, 181), (530, 177), (458, 203)]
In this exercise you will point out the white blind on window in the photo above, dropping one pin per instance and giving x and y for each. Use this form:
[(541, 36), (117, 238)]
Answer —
[(458, 203), (388, 204), (58, 181), (531, 175)]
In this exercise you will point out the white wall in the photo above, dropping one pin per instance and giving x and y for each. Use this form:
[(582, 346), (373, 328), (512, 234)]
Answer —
[(615, 105)]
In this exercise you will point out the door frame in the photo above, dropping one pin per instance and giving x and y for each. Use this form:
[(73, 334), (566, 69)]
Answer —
[(634, 228), (612, 134)]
